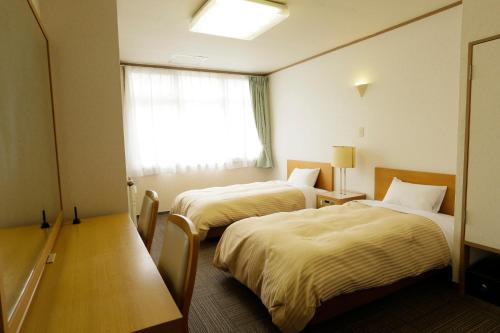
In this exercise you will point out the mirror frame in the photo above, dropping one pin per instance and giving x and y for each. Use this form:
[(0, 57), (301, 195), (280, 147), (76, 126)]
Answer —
[(28, 292), (21, 307)]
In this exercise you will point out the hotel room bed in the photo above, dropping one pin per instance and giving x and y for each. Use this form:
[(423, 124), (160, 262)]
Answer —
[(298, 262), (212, 209)]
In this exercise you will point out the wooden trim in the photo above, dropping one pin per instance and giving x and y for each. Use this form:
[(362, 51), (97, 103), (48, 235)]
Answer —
[(336, 48), (384, 176), (484, 40), (194, 243), (54, 126), (45, 35), (47, 45), (37, 18), (399, 25), (122, 82), (418, 18), (463, 262), (481, 247), (325, 177), (191, 69), (3, 308), (21, 308)]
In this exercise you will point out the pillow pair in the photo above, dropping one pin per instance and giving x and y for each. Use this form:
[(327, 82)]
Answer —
[(416, 196), (303, 177)]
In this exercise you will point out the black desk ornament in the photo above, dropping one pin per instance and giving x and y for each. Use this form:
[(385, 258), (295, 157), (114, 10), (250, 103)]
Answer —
[(76, 220), (44, 225)]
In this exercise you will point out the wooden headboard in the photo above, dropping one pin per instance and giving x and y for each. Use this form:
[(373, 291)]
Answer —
[(383, 179), (325, 177)]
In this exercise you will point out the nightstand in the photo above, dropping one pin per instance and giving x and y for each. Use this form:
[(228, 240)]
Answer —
[(335, 198)]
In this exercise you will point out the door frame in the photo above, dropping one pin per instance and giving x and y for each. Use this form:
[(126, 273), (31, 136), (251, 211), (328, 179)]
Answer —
[(464, 245)]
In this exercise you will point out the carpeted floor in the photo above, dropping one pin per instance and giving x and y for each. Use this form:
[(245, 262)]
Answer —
[(221, 304)]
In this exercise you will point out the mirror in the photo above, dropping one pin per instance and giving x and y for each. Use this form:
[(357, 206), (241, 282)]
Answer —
[(29, 180)]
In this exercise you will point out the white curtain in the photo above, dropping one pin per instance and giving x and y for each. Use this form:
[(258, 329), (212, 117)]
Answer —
[(176, 120)]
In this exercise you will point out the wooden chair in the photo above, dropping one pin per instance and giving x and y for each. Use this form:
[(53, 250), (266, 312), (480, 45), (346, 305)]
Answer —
[(178, 261), (147, 219)]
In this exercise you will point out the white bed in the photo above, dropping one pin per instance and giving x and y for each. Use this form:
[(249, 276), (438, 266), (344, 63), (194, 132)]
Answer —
[(312, 264), (212, 209)]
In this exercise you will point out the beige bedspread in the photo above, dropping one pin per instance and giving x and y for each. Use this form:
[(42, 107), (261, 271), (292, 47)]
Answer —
[(295, 261), (221, 206)]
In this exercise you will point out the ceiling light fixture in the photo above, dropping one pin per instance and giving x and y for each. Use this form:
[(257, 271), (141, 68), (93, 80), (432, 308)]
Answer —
[(241, 19)]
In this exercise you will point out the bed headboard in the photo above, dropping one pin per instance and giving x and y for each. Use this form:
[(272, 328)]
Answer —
[(383, 179), (325, 177)]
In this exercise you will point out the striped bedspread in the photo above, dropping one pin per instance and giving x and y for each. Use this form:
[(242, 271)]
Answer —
[(221, 206), (295, 261)]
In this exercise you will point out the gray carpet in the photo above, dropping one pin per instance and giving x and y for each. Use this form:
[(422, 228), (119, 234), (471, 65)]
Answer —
[(221, 304)]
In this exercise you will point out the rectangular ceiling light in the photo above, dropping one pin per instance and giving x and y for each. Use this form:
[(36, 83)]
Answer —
[(241, 19)]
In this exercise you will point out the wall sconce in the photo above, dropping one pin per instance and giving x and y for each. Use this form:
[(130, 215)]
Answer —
[(361, 86)]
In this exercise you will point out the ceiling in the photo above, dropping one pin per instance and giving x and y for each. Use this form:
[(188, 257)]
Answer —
[(151, 31)]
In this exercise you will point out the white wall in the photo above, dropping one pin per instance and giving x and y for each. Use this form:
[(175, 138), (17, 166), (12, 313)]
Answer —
[(409, 111), (481, 19), (169, 185), (83, 37)]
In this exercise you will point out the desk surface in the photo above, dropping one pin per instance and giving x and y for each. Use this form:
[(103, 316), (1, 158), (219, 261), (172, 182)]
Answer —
[(103, 280)]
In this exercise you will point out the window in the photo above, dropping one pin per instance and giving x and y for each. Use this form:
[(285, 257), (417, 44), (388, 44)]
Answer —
[(177, 120)]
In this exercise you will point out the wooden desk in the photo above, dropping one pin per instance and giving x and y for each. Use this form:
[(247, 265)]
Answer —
[(103, 280)]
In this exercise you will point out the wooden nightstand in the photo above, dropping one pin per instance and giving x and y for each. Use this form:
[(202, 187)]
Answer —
[(335, 198)]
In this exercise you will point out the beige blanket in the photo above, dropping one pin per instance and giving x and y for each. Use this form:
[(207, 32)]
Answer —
[(295, 261), (221, 206)]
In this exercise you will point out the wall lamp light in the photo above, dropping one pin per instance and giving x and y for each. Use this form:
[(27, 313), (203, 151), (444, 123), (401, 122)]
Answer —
[(361, 86)]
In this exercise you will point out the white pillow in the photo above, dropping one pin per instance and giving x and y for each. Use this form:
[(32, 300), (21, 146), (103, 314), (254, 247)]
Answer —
[(303, 177), (415, 196)]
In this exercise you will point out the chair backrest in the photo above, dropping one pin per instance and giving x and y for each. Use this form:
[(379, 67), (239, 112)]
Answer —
[(179, 259), (147, 219)]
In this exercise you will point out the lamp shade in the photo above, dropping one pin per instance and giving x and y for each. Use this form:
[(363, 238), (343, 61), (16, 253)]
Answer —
[(344, 157)]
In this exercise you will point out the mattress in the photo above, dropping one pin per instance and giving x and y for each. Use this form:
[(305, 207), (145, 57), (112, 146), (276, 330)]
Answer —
[(295, 261), (221, 206)]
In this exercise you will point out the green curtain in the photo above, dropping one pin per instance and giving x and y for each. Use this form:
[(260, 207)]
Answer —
[(259, 89)]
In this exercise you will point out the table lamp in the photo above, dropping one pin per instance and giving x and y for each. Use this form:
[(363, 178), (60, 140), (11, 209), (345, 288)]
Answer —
[(343, 157)]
